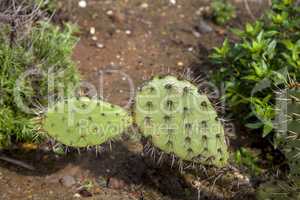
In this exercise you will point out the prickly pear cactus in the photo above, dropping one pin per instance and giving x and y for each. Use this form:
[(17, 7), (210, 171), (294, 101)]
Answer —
[(291, 146), (293, 110), (84, 122), (278, 190), (180, 121)]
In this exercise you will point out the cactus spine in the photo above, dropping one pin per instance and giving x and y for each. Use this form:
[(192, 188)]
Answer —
[(180, 121), (84, 122)]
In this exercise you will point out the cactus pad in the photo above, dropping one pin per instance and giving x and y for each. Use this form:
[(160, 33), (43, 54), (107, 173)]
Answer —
[(291, 146), (84, 122), (293, 111), (180, 121)]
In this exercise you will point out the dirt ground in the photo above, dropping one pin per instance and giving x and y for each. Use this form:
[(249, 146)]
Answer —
[(133, 40)]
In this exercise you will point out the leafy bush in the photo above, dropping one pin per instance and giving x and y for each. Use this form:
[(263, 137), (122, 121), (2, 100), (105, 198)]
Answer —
[(46, 50), (247, 158), (47, 5), (222, 11), (266, 57)]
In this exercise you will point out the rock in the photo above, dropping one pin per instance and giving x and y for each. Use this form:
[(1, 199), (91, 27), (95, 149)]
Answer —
[(100, 45), (203, 11), (85, 193), (94, 38), (180, 64), (204, 27), (114, 183), (116, 17), (110, 13), (92, 30), (67, 181), (128, 32), (173, 2), (82, 4), (196, 34), (221, 31), (76, 195), (144, 5)]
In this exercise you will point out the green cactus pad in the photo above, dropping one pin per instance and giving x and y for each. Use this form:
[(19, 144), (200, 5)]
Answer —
[(291, 145), (84, 122), (293, 110), (178, 120), (278, 190)]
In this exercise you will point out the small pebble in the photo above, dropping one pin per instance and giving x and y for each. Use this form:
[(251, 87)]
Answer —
[(110, 13), (67, 181), (204, 27), (173, 2), (76, 195), (82, 4), (115, 183), (180, 64), (196, 34), (85, 193), (94, 38), (144, 5), (92, 30), (100, 45), (128, 32)]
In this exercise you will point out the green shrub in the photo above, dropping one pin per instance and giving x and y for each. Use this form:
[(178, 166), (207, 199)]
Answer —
[(222, 11), (47, 5), (266, 57), (46, 49)]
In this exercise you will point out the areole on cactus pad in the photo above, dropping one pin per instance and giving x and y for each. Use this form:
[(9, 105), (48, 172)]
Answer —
[(84, 122), (180, 121)]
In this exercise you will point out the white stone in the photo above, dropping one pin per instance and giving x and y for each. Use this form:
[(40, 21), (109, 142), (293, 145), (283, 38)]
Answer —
[(110, 13), (144, 5), (92, 30), (128, 32), (100, 45), (82, 4), (94, 38), (76, 195), (173, 2), (180, 63)]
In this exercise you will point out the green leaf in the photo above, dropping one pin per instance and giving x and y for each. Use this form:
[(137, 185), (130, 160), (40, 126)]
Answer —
[(271, 49), (251, 78), (254, 125), (237, 32), (267, 129)]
